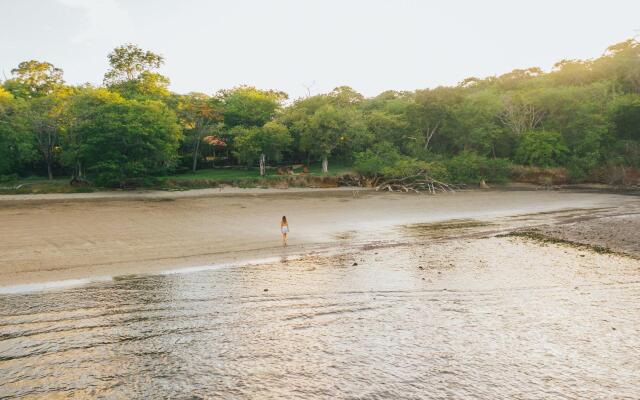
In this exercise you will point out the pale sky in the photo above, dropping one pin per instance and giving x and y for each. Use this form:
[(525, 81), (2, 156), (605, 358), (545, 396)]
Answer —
[(370, 45)]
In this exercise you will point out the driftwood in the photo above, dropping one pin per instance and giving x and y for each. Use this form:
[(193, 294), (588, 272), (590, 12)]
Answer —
[(420, 183), (11, 187), (352, 180)]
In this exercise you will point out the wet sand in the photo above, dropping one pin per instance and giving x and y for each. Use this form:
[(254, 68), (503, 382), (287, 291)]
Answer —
[(617, 233), (65, 238)]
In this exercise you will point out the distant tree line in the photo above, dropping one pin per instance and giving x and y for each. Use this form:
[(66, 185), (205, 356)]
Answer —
[(584, 116)]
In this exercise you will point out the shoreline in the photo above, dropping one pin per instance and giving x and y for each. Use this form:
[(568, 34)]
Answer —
[(79, 240), (161, 195)]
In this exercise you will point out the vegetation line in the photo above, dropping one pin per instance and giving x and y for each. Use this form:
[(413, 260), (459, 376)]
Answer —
[(578, 123)]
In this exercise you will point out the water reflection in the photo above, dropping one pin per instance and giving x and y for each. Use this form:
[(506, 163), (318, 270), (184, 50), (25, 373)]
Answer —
[(365, 324)]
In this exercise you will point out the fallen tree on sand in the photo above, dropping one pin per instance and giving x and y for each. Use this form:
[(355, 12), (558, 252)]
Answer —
[(417, 183)]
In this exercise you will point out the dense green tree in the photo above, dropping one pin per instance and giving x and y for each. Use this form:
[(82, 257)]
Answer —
[(626, 117), (345, 96), (375, 160), (296, 117), (132, 74), (83, 107), (48, 120), (387, 126), (479, 125), (542, 148), (621, 64), (199, 115), (326, 129), (248, 106), (34, 79), (128, 62), (470, 167), (262, 143), (16, 144), (127, 141), (432, 113), (147, 86)]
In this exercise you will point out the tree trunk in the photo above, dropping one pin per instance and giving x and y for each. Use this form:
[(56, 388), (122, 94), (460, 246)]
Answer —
[(49, 172), (195, 155), (262, 164), (325, 165), (430, 134)]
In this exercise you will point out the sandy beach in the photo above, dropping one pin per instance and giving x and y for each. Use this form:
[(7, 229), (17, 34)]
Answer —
[(80, 236)]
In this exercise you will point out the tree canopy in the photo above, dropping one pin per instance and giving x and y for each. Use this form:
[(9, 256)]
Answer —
[(582, 115)]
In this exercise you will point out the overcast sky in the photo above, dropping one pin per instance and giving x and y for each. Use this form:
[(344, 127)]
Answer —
[(371, 45)]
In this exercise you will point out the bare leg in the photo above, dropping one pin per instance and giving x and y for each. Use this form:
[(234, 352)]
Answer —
[(284, 239)]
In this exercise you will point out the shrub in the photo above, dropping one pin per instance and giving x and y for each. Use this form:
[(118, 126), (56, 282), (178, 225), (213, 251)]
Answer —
[(384, 159), (469, 167), (8, 178), (580, 167), (407, 167), (373, 161), (542, 149)]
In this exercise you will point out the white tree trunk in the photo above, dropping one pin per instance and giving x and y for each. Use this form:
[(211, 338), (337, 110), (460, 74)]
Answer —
[(195, 155), (430, 133), (325, 165), (262, 164)]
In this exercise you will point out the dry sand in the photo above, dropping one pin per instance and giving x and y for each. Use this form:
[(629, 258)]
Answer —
[(59, 237)]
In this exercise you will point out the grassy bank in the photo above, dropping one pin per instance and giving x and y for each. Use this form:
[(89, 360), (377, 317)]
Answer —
[(250, 178), (206, 178), (37, 184)]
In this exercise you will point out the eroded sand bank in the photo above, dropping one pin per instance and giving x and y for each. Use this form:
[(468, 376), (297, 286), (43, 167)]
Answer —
[(74, 239)]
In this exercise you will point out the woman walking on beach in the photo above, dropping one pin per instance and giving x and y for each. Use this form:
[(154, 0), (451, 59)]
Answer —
[(284, 228)]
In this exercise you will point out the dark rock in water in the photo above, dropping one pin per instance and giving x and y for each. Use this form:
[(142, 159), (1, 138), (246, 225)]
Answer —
[(354, 264), (613, 329), (422, 278), (420, 267), (266, 290), (439, 272)]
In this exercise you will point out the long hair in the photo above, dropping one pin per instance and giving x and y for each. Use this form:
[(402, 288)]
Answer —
[(284, 219)]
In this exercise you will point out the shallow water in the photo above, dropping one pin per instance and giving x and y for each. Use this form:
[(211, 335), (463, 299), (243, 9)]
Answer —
[(561, 324)]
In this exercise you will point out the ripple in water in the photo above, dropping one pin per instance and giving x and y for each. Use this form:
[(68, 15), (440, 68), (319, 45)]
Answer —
[(329, 329)]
